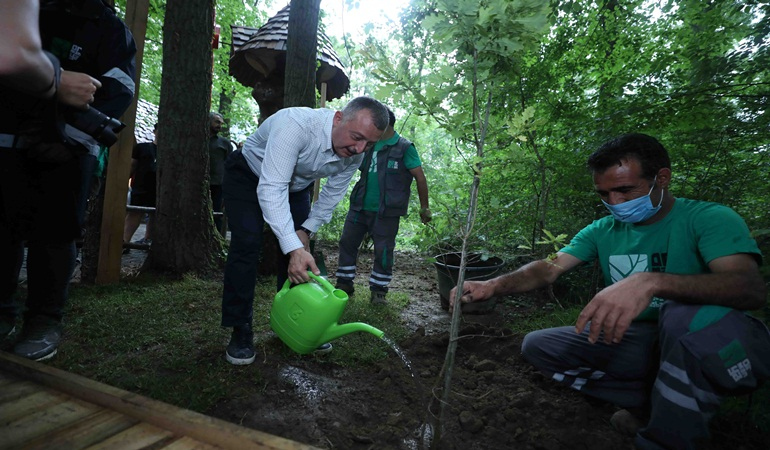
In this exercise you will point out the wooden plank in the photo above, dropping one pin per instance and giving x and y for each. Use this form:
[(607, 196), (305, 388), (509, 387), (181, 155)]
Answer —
[(188, 443), (16, 433), (12, 391), (85, 432), (137, 437), (29, 404), (179, 421), (6, 379)]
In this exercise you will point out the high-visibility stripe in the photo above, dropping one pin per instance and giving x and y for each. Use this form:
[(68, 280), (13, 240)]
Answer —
[(681, 376), (675, 397)]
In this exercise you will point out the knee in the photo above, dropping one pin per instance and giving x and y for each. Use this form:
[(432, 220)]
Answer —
[(532, 347)]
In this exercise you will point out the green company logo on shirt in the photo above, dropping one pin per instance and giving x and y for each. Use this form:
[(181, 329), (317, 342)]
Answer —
[(623, 266), (392, 164)]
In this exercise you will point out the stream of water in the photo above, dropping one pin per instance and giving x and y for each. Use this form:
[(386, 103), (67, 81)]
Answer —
[(423, 435)]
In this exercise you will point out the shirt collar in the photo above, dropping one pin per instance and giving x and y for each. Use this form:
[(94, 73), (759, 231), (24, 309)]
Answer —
[(387, 142)]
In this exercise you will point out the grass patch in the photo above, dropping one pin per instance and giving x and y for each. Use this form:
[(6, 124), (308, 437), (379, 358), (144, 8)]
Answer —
[(161, 338), (546, 317)]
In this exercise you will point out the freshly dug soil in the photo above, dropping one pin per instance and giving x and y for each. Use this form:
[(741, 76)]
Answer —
[(497, 401)]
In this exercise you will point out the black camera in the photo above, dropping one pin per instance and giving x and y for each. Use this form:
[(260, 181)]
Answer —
[(96, 124)]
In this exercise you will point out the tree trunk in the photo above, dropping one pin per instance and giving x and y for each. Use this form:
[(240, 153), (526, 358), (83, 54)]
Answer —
[(299, 88), (225, 108), (89, 252), (184, 239), (301, 53)]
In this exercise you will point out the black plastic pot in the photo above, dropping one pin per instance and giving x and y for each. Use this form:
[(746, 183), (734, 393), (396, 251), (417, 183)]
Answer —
[(477, 268)]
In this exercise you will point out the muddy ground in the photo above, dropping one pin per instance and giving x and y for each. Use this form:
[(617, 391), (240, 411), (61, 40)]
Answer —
[(498, 401)]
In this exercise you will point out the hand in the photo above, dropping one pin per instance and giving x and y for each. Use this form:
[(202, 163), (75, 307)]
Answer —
[(300, 261), (304, 238), (614, 308), (425, 215), (77, 89), (473, 291)]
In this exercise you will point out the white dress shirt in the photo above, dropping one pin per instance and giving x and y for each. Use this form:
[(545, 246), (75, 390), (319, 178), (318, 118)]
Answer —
[(289, 151)]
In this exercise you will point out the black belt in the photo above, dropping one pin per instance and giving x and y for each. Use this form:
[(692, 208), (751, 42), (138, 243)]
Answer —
[(12, 141)]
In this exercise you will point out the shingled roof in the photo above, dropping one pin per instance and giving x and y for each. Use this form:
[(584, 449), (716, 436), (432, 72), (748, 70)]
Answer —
[(260, 53)]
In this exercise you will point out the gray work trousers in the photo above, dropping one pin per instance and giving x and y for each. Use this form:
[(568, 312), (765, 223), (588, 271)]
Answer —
[(679, 367), (383, 231)]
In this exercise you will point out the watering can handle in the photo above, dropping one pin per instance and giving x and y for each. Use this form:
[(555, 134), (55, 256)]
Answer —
[(322, 281)]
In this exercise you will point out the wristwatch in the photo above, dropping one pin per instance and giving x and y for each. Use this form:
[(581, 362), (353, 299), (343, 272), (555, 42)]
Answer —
[(310, 234)]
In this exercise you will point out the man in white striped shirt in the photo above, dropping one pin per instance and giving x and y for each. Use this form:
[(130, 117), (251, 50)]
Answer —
[(270, 180)]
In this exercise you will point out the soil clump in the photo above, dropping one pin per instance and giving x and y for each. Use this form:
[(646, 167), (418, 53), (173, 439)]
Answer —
[(498, 400)]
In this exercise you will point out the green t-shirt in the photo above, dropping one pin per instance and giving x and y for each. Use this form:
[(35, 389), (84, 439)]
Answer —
[(692, 234), (372, 195)]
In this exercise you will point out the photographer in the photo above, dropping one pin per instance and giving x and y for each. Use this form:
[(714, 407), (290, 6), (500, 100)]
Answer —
[(42, 155), (25, 67), (88, 37)]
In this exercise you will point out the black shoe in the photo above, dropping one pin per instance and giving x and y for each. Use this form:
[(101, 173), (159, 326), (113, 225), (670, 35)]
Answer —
[(240, 350), (378, 298), (323, 349), (39, 339), (346, 287)]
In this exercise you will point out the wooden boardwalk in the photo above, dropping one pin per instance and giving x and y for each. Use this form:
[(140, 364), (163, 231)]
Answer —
[(42, 407)]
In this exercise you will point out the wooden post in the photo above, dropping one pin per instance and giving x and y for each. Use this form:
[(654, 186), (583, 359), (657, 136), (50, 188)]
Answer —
[(119, 167)]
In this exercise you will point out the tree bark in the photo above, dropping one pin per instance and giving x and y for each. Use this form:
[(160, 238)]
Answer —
[(299, 89), (184, 238), (302, 54)]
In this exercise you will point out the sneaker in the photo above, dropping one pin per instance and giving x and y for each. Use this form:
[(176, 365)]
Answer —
[(346, 287), (39, 340), (240, 350), (626, 423), (7, 326), (323, 349), (378, 297)]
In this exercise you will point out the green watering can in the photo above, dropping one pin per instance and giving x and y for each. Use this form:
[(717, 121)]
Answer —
[(305, 316)]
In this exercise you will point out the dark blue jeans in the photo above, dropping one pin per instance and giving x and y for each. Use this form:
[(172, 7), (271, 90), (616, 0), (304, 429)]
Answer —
[(246, 224)]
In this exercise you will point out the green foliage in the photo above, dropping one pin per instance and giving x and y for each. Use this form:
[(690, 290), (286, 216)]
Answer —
[(554, 242), (694, 75)]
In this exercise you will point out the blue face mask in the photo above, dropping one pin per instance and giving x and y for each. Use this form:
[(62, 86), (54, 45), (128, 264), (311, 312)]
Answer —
[(636, 210)]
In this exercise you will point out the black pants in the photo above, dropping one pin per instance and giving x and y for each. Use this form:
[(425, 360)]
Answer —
[(246, 223), (216, 203), (39, 206)]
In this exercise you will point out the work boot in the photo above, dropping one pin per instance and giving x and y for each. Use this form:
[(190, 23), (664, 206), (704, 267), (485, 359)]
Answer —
[(39, 339), (626, 423), (240, 350), (378, 297), (345, 286)]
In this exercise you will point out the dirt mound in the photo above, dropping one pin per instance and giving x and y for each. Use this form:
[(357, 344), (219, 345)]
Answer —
[(498, 400)]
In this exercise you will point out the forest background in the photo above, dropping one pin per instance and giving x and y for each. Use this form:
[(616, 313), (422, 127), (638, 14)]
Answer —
[(550, 82)]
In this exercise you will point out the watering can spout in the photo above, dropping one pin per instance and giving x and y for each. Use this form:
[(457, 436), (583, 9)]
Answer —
[(336, 331)]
